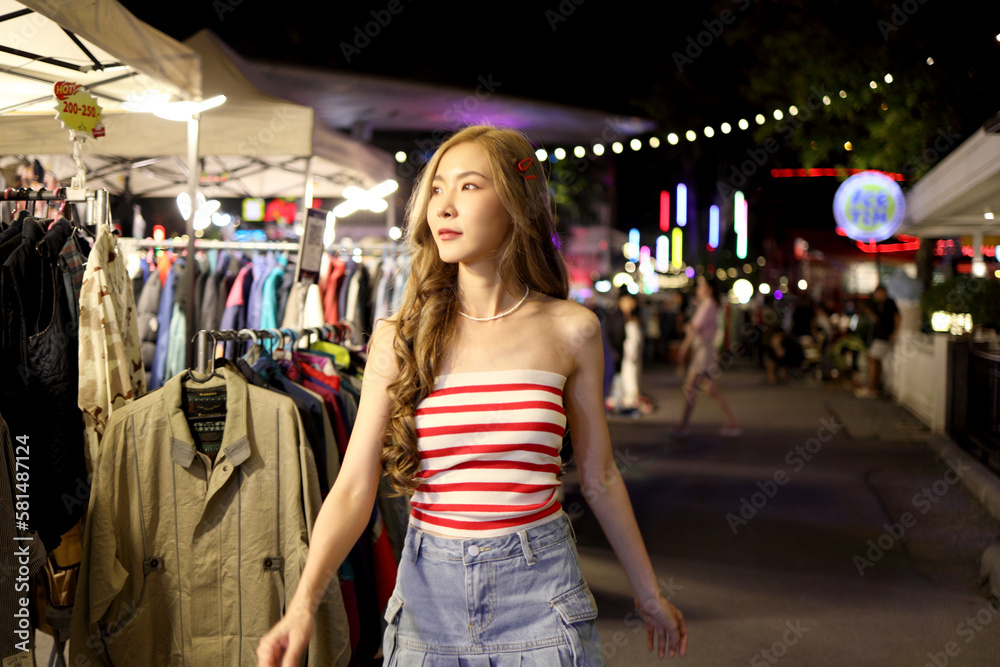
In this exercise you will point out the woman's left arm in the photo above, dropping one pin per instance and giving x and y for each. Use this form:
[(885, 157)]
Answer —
[(603, 488)]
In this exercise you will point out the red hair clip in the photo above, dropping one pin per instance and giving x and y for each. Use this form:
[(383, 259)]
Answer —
[(523, 165)]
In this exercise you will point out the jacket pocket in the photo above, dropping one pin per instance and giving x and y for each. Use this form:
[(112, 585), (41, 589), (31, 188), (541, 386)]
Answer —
[(578, 612), (392, 612)]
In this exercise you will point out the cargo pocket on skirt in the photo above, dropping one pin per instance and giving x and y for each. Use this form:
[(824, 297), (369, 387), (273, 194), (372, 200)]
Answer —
[(392, 611), (579, 614)]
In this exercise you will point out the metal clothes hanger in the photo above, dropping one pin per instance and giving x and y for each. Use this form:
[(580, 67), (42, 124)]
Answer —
[(212, 373)]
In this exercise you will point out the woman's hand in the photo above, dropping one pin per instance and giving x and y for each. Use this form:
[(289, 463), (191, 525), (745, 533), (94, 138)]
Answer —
[(664, 625), (286, 642)]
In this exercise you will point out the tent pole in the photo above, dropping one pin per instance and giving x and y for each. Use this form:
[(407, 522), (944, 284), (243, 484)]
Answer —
[(194, 174), (307, 196)]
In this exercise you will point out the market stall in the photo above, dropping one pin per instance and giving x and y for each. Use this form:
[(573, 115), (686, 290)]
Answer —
[(252, 145)]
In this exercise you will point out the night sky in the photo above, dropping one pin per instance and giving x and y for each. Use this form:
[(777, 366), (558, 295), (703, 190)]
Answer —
[(677, 63)]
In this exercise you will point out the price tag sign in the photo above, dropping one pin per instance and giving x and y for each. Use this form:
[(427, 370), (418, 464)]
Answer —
[(311, 246), (78, 110)]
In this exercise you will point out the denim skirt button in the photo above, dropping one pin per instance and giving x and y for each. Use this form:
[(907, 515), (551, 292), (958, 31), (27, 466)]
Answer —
[(473, 550)]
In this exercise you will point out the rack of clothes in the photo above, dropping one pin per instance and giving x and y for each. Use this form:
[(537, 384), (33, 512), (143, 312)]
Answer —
[(237, 284), (68, 359), (47, 273), (73, 340), (204, 501)]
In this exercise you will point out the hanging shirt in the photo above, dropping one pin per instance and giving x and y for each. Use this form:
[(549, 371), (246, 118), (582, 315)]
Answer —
[(177, 347), (399, 287), (163, 265), (358, 312), (111, 371), (235, 315), (312, 316), (214, 297), (284, 288), (73, 261), (269, 298), (149, 303), (188, 561), (262, 265), (332, 292), (383, 288), (295, 307), (40, 374), (163, 317), (350, 266)]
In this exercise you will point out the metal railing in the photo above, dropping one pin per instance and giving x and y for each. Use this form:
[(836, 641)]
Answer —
[(983, 417)]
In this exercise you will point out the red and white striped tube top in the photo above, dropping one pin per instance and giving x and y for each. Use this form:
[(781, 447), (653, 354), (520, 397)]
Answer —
[(489, 446)]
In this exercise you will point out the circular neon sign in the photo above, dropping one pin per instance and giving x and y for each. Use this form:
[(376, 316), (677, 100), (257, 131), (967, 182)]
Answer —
[(869, 206)]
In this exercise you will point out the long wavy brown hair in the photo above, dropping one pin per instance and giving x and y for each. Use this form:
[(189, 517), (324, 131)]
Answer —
[(425, 322)]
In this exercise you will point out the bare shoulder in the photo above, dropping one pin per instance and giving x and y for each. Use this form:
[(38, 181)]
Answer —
[(386, 326), (573, 324)]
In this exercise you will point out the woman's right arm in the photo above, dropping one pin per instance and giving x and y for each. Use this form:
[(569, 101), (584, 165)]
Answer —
[(345, 512)]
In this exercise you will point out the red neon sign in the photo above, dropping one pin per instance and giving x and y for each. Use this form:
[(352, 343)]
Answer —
[(664, 211), (948, 247), (828, 171)]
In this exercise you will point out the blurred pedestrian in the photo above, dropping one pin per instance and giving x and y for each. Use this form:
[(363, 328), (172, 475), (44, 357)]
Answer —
[(699, 348), (631, 372), (884, 333), (784, 352)]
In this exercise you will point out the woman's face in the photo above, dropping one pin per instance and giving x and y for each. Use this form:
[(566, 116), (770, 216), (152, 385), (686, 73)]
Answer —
[(465, 214)]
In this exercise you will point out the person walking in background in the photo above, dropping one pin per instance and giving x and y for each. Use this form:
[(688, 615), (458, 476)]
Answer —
[(631, 370), (783, 353), (699, 348), (886, 316)]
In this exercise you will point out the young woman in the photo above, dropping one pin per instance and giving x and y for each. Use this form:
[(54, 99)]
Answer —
[(699, 346), (466, 394)]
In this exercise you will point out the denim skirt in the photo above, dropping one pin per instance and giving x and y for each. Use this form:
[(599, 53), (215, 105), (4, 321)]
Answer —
[(509, 601)]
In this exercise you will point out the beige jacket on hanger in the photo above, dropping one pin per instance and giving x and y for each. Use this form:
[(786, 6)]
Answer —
[(190, 563)]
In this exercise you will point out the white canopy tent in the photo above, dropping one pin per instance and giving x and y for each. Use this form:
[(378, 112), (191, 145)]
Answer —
[(961, 194), (253, 145), (96, 43)]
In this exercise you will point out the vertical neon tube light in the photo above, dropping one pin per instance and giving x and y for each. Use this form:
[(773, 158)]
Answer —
[(633, 245), (713, 227), (738, 200), (678, 247), (662, 253), (740, 215), (664, 210), (682, 205)]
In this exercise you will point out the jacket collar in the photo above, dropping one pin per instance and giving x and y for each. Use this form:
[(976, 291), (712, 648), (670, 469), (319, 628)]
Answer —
[(235, 440)]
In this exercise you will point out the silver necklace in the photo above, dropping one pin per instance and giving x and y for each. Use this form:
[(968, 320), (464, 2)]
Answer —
[(503, 314)]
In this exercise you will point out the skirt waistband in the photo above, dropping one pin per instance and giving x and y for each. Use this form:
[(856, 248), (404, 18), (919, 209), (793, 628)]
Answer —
[(478, 549)]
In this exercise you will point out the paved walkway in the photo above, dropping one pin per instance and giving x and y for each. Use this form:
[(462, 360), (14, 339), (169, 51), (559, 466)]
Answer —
[(829, 534)]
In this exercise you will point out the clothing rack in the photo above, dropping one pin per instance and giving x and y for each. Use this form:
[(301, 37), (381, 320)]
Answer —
[(98, 210), (206, 340), (128, 244)]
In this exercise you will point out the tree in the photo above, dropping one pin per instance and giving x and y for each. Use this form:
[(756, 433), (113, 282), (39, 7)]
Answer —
[(941, 64)]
